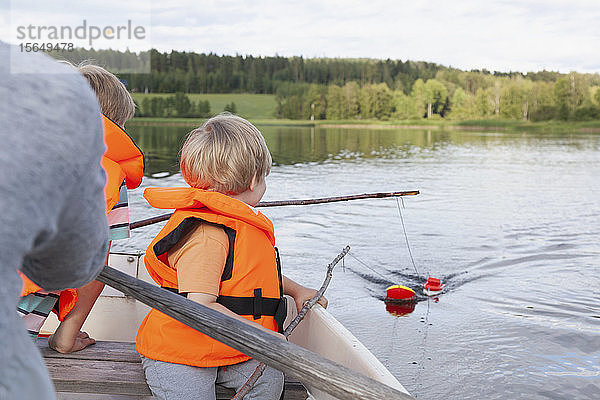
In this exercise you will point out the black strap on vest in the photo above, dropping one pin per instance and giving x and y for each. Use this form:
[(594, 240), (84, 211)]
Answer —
[(279, 274), (257, 306), (170, 240)]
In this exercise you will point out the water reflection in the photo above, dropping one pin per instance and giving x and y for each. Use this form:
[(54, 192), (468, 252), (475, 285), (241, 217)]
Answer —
[(160, 145), (293, 145), (400, 309)]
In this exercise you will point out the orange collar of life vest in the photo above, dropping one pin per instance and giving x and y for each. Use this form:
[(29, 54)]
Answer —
[(121, 149), (208, 201)]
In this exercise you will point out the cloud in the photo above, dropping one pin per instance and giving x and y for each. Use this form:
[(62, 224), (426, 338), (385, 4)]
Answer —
[(498, 34)]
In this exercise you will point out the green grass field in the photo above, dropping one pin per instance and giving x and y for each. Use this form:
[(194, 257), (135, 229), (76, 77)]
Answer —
[(250, 106), (496, 125), (260, 109)]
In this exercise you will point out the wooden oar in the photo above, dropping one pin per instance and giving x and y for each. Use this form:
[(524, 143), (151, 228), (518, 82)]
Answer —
[(260, 368), (325, 375), (164, 217)]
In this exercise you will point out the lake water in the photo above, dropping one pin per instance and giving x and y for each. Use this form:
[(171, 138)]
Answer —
[(511, 222)]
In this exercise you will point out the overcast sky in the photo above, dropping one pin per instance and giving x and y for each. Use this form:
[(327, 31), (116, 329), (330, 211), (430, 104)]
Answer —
[(526, 35)]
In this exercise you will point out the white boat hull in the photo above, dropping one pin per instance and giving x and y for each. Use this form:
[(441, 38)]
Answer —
[(321, 333), (116, 317)]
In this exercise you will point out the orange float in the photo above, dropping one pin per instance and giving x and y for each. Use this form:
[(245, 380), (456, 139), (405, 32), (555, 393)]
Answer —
[(433, 287)]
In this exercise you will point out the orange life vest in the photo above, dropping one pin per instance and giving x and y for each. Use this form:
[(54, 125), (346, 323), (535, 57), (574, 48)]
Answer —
[(250, 285), (122, 161), (66, 301)]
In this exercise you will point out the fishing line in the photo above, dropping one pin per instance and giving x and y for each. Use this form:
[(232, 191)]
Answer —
[(366, 266), (406, 236), (351, 253), (421, 362), (390, 352), (423, 344)]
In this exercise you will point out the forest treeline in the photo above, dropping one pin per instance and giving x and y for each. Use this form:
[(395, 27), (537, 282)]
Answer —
[(323, 88), (456, 95), (178, 105)]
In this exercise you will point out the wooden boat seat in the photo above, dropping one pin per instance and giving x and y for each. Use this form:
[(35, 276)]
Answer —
[(113, 370)]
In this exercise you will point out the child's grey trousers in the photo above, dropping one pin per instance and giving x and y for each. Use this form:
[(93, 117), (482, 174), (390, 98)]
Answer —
[(169, 381)]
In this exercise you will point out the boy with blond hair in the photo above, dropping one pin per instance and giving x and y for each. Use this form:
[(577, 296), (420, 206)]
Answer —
[(123, 165), (217, 250)]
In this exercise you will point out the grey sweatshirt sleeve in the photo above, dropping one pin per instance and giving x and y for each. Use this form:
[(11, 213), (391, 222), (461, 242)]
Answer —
[(52, 202)]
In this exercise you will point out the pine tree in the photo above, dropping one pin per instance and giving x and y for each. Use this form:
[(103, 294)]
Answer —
[(231, 107)]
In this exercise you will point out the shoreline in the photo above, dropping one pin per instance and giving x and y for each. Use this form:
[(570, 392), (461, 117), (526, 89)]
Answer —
[(474, 125)]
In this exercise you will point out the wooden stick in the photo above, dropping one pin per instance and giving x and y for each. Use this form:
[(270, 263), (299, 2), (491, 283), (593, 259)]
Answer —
[(289, 358), (164, 217), (309, 304), (260, 368), (336, 199)]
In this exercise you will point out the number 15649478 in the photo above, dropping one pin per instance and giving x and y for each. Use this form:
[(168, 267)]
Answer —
[(35, 47)]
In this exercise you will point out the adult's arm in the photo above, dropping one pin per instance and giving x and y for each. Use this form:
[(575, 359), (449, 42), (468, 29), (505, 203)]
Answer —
[(52, 199)]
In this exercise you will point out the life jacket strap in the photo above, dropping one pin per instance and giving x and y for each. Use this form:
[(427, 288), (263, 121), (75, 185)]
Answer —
[(257, 306), (169, 241)]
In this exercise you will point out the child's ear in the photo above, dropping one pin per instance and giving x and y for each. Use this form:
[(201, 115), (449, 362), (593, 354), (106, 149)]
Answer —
[(253, 183)]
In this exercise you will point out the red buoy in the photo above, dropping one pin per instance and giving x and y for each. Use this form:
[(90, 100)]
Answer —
[(433, 287), (400, 293)]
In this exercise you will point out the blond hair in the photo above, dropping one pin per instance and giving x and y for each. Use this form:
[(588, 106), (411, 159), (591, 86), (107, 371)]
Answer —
[(115, 101), (224, 154)]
